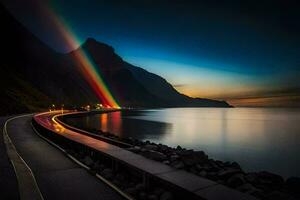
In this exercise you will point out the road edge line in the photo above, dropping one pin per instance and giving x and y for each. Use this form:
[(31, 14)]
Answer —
[(11, 149), (123, 194)]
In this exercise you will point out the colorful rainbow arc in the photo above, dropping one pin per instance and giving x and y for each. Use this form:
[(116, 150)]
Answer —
[(88, 68)]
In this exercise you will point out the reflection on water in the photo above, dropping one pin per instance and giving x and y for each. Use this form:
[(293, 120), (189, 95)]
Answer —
[(257, 138), (122, 125), (110, 122)]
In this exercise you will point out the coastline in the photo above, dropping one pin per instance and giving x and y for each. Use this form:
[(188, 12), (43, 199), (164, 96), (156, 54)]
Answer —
[(263, 184)]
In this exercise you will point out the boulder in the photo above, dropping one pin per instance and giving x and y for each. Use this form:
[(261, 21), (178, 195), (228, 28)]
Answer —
[(235, 165), (212, 175), (270, 180), (202, 173), (166, 162), (174, 157), (277, 195), (152, 197), (177, 165), (178, 148), (293, 184), (135, 149), (191, 158), (236, 180), (225, 174), (151, 147), (247, 187), (142, 195), (164, 148), (166, 196), (251, 177), (154, 155)]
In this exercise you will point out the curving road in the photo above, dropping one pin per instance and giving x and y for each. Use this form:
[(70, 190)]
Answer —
[(47, 173), (56, 176), (8, 179)]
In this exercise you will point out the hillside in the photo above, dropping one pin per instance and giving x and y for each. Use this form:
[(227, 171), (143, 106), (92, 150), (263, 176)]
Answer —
[(33, 76)]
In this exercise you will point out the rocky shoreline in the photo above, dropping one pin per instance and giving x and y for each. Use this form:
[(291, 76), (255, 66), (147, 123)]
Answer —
[(263, 184)]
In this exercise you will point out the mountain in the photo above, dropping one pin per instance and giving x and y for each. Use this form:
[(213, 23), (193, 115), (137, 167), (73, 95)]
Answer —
[(142, 88), (33, 76)]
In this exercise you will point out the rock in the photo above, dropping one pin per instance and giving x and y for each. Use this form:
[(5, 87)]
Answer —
[(166, 196), (178, 148), (212, 175), (251, 177), (201, 155), (270, 180), (177, 165), (220, 163), (183, 152), (206, 167), (155, 155), (213, 165), (190, 158), (245, 187), (293, 184), (174, 157), (107, 173), (150, 147), (235, 165), (260, 194), (236, 180), (166, 162), (199, 167), (147, 142), (202, 173), (277, 195), (142, 195), (135, 149), (193, 170), (225, 174), (164, 148), (88, 161), (152, 197)]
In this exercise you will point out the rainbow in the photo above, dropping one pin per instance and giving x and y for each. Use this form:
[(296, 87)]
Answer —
[(87, 66)]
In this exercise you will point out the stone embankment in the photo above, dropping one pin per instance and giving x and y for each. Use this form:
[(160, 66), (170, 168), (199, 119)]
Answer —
[(263, 185)]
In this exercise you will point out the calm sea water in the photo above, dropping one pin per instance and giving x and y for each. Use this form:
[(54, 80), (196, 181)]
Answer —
[(257, 138)]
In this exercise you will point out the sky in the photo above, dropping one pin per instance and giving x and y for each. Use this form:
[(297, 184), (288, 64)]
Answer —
[(244, 52)]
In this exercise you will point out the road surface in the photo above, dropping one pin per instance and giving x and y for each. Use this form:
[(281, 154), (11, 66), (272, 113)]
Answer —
[(8, 179), (57, 177)]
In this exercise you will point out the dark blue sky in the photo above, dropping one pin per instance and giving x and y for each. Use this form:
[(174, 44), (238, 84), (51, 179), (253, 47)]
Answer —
[(219, 50)]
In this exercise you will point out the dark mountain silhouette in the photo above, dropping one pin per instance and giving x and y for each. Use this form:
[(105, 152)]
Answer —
[(33, 76)]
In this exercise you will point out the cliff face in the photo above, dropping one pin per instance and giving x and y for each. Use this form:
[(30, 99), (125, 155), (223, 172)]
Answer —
[(134, 86), (33, 76)]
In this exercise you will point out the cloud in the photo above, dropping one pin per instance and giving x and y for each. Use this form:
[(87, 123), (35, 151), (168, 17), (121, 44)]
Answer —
[(284, 97)]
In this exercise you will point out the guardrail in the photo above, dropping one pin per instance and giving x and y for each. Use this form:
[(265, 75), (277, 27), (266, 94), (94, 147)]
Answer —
[(102, 138), (150, 173)]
